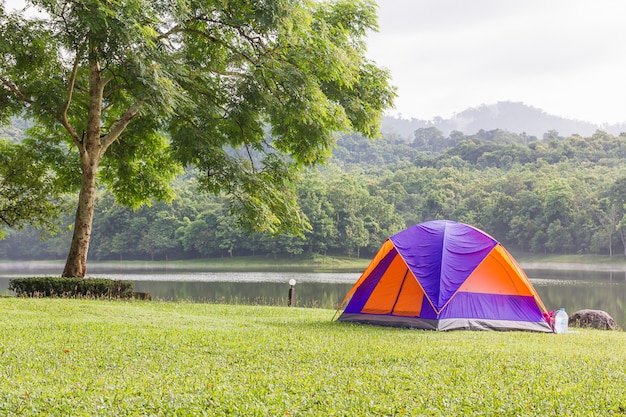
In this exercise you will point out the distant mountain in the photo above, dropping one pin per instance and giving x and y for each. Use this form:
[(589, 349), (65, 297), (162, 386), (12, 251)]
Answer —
[(15, 130), (506, 115), (510, 116)]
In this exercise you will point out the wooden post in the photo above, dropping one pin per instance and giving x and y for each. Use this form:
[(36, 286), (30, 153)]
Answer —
[(292, 292)]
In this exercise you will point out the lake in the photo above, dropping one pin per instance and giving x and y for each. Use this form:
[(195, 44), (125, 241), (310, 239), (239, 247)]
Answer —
[(572, 289)]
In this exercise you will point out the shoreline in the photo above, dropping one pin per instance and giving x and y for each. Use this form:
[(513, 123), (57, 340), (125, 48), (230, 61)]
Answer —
[(306, 263)]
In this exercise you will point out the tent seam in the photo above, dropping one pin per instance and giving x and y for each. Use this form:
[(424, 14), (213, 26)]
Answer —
[(399, 291)]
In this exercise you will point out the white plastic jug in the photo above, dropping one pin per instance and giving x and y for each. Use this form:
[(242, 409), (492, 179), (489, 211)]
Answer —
[(560, 321)]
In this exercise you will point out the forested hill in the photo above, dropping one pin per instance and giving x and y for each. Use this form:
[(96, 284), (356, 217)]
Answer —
[(557, 194), (510, 116)]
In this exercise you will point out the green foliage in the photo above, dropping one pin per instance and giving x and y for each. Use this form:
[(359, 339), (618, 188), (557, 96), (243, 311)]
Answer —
[(139, 167), (133, 91), (71, 287), (543, 197), (140, 358), (29, 193)]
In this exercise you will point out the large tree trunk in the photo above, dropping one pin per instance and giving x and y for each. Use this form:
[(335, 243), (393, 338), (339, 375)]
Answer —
[(622, 235), (91, 150), (76, 264)]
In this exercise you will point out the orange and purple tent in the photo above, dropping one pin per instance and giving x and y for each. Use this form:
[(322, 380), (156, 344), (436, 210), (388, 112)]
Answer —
[(444, 275)]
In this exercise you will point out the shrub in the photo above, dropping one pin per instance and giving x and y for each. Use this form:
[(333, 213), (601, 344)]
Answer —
[(71, 287)]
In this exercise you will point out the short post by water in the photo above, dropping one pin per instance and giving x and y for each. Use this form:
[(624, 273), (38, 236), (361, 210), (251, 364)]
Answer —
[(292, 290), (560, 321)]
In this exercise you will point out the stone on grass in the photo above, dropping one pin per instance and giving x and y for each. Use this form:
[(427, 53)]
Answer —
[(595, 319)]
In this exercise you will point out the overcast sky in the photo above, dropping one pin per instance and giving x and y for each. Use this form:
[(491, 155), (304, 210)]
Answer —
[(566, 57)]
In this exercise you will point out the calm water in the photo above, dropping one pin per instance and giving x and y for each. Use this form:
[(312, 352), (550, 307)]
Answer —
[(572, 289)]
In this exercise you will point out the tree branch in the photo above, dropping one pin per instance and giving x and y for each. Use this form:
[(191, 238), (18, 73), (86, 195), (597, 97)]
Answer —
[(5, 220), (250, 156), (253, 40), (119, 126), (16, 90), (108, 80), (70, 92)]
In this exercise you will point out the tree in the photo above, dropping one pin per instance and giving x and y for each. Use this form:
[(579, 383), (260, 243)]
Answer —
[(380, 221), (160, 238), (127, 240), (607, 215), (558, 203), (28, 193), (199, 235), (348, 197), (617, 198), (123, 93), (313, 198), (429, 139)]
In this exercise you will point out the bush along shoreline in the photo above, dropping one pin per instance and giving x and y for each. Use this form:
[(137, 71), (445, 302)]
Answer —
[(72, 287)]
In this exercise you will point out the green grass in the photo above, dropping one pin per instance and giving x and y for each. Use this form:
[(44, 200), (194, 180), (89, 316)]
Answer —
[(592, 261), (105, 358)]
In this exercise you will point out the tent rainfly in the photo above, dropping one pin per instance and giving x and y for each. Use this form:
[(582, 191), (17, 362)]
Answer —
[(444, 275)]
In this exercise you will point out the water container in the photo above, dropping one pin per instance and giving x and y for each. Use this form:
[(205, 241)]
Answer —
[(560, 321)]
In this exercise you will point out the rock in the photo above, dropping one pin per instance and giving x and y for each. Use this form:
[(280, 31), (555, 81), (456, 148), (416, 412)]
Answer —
[(596, 319)]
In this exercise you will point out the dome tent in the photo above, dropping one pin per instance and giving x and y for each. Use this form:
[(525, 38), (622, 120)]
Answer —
[(444, 275)]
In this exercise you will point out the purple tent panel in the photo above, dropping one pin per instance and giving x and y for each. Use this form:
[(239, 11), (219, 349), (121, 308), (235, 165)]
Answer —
[(441, 255)]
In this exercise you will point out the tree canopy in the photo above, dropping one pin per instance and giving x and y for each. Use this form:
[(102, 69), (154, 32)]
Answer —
[(28, 193), (126, 93), (560, 195)]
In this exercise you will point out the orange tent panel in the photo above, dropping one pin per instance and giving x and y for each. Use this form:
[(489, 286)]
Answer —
[(384, 296), (523, 277), (410, 299), (383, 251), (496, 274)]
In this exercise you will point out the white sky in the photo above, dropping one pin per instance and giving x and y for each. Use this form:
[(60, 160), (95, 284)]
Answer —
[(566, 57)]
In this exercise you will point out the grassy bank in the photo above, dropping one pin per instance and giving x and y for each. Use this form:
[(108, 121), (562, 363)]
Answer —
[(235, 263), (81, 357), (329, 263), (317, 263)]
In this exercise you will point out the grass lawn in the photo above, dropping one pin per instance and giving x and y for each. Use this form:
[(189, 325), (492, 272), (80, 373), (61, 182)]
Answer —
[(105, 358)]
